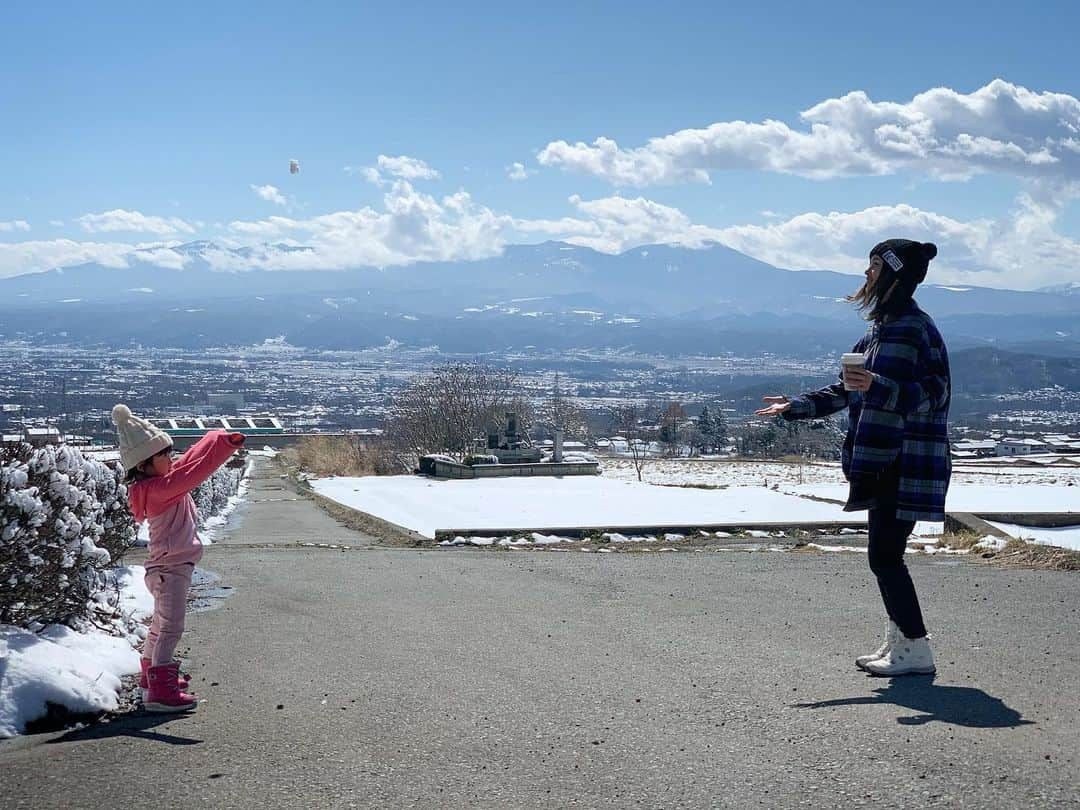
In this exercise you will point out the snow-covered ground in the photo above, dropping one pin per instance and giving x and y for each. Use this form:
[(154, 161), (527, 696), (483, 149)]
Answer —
[(1015, 498), (691, 491), (717, 473), (726, 472), (79, 670), (1064, 536), (424, 504), (215, 524)]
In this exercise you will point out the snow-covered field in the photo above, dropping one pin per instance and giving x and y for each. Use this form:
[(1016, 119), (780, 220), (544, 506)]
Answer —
[(685, 492), (716, 473), (725, 472), (424, 504), (977, 498), (79, 670)]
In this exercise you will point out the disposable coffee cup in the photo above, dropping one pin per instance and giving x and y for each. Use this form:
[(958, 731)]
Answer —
[(852, 360)]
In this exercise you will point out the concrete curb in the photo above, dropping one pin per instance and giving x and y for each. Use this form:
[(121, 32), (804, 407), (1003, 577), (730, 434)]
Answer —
[(833, 527), (959, 522)]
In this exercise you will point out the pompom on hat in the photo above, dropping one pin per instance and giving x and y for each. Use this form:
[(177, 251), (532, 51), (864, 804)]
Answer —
[(138, 438)]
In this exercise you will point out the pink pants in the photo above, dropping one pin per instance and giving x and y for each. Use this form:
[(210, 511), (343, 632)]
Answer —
[(169, 586)]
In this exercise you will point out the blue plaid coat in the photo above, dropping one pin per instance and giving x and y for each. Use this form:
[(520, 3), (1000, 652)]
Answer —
[(904, 416)]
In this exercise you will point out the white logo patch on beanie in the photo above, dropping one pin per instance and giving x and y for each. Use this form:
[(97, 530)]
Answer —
[(893, 261)]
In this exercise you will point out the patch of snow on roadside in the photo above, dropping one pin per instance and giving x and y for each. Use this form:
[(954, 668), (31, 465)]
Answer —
[(991, 543), (216, 523), (78, 670), (821, 547)]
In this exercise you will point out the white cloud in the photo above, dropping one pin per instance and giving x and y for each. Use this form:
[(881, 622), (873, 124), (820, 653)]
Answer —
[(17, 225), (517, 172), (30, 257), (411, 227), (1022, 250), (402, 166), (371, 175), (270, 194), (121, 220), (1001, 128), (159, 255), (614, 224), (407, 168)]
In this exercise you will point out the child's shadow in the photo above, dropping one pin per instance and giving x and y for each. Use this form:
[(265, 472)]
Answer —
[(959, 705), (137, 724)]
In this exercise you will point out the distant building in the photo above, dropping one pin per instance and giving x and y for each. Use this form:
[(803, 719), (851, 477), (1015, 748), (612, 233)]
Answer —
[(1060, 443), (1020, 447), (198, 425), (975, 448), (41, 436), (570, 447), (226, 401)]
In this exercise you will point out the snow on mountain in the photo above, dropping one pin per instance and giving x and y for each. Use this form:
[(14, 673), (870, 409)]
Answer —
[(648, 296), (1069, 288)]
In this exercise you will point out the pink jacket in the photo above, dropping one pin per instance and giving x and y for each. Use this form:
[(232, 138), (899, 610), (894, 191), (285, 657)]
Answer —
[(165, 500)]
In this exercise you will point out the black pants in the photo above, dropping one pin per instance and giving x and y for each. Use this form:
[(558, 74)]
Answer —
[(888, 539)]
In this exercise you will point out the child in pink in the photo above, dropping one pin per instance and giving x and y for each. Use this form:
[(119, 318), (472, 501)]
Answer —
[(159, 492)]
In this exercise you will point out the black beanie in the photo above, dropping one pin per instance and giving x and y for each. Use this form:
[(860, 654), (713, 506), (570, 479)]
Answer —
[(907, 259)]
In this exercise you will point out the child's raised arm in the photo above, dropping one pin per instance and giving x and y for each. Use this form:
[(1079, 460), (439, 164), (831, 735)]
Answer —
[(196, 465)]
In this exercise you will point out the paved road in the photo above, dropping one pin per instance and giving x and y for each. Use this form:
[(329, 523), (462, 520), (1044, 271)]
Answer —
[(402, 678)]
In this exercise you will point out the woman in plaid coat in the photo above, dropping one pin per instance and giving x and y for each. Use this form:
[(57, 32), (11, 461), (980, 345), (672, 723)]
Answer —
[(896, 453)]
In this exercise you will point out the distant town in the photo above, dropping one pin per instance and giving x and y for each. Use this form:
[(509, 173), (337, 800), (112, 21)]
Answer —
[(60, 394)]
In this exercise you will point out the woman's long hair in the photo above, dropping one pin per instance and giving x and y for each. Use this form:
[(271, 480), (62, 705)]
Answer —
[(888, 295)]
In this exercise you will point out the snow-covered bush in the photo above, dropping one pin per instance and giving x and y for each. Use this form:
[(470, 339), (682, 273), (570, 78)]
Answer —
[(212, 495), (63, 520)]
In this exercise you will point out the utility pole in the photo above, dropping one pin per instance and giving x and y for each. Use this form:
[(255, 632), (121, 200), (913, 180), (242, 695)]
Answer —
[(63, 407)]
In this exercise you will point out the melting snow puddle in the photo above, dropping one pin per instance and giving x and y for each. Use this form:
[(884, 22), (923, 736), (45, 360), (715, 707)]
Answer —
[(206, 592)]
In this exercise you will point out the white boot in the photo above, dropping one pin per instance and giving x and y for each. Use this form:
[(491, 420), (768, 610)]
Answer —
[(892, 633), (908, 656)]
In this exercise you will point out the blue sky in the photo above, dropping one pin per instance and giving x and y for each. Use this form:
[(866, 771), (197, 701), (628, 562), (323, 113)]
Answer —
[(178, 116)]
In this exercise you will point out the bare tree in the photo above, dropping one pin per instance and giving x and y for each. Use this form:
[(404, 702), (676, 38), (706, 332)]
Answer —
[(558, 412), (635, 423), (450, 408)]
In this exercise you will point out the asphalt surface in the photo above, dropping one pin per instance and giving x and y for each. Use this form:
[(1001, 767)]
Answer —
[(380, 677)]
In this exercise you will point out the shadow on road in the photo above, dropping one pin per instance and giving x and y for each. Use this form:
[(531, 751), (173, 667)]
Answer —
[(958, 705), (135, 724)]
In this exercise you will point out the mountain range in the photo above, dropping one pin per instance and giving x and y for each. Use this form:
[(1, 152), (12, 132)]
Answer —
[(551, 296)]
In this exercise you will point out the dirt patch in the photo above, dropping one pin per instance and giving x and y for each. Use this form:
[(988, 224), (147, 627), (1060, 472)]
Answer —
[(1015, 553), (1021, 554), (384, 531)]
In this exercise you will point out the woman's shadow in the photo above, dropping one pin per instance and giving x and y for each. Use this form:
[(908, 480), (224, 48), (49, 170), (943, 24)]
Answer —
[(958, 705)]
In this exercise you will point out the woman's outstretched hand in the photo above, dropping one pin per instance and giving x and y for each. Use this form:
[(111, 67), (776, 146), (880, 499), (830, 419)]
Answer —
[(776, 406)]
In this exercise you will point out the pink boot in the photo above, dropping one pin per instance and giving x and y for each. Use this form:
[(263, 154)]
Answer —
[(144, 664), (164, 693)]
